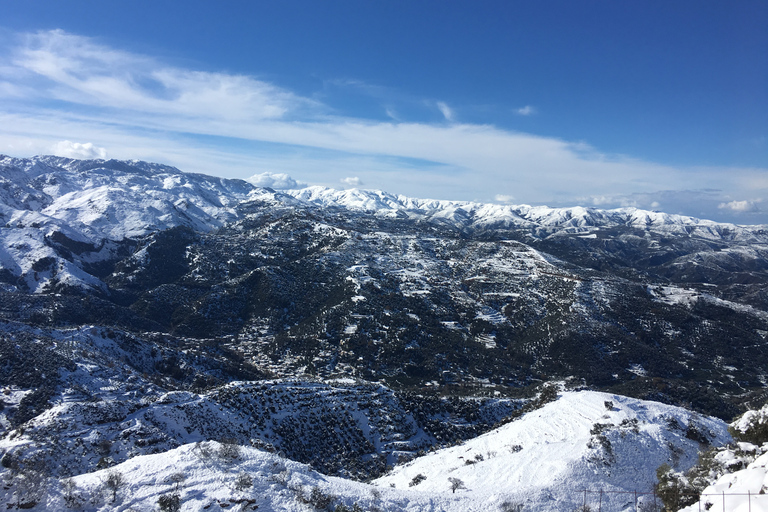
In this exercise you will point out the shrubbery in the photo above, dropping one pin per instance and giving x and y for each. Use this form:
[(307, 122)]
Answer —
[(417, 480), (169, 502), (751, 427), (243, 482), (674, 489), (677, 490)]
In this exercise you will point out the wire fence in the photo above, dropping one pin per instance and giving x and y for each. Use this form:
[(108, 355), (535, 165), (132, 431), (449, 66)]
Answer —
[(597, 501)]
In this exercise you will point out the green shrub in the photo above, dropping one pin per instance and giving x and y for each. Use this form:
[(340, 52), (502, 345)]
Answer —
[(674, 489), (169, 502), (243, 482), (751, 427), (417, 480)]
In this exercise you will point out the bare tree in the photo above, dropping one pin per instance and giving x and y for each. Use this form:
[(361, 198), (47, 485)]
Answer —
[(30, 487), (456, 484), (203, 451), (69, 491), (177, 479), (30, 478), (114, 482)]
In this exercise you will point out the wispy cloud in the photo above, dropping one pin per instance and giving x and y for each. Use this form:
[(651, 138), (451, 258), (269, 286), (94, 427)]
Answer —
[(392, 114), (526, 110), (77, 70), (446, 111), (56, 86)]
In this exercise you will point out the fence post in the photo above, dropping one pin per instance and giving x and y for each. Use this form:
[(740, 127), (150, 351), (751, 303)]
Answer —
[(585, 499), (749, 500), (636, 504), (600, 506), (723, 501)]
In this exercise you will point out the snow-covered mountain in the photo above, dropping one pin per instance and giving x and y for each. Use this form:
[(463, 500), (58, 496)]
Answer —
[(108, 199), (542, 461), (378, 286), (583, 441), (539, 219), (87, 206), (146, 311), (66, 220)]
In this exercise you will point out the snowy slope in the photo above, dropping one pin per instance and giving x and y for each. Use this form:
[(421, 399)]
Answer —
[(737, 474), (87, 206), (203, 479), (741, 491), (546, 459), (59, 214), (114, 199), (542, 461), (465, 214)]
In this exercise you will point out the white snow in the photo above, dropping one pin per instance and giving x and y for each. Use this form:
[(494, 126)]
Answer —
[(546, 458), (741, 491), (95, 201), (543, 461)]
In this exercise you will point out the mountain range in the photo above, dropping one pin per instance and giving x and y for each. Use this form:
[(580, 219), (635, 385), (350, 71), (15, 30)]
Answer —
[(144, 309)]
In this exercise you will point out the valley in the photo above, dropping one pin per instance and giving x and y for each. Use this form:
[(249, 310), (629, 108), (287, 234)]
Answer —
[(359, 335)]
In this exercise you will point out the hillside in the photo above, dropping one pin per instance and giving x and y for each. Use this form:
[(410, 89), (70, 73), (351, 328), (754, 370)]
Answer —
[(411, 292), (144, 310), (542, 461)]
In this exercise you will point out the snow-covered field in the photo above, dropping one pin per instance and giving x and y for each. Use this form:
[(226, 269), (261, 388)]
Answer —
[(542, 461), (548, 458), (64, 222), (741, 491)]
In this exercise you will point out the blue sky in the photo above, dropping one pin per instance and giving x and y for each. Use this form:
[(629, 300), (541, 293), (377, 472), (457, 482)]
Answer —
[(659, 105)]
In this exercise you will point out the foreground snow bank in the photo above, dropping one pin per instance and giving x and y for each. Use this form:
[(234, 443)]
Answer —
[(742, 491), (744, 485), (583, 441), (204, 476), (542, 461)]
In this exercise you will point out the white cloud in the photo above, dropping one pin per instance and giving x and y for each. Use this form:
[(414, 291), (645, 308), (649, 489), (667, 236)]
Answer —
[(204, 121), (82, 151), (740, 206), (75, 69), (446, 111), (352, 181), (613, 201), (527, 110), (502, 198), (279, 181)]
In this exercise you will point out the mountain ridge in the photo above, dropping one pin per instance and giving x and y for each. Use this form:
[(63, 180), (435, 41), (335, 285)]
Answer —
[(306, 280), (150, 308)]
